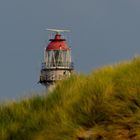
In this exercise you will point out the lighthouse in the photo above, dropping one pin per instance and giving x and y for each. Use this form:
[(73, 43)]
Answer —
[(57, 63)]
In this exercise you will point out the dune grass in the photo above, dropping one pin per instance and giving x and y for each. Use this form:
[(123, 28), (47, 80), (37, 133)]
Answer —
[(103, 105)]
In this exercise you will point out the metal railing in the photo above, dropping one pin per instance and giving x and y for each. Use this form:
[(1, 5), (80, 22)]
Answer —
[(69, 65)]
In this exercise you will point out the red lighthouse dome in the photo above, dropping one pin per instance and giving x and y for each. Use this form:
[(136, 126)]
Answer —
[(58, 43)]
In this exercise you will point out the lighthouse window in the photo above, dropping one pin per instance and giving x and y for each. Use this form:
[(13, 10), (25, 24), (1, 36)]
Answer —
[(64, 73), (58, 57)]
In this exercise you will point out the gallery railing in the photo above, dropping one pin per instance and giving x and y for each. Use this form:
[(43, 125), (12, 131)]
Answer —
[(68, 65)]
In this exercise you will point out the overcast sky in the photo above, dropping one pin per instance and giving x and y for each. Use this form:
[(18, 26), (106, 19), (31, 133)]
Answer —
[(102, 32)]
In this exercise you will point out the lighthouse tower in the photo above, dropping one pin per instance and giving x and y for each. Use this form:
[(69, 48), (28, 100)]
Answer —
[(57, 63)]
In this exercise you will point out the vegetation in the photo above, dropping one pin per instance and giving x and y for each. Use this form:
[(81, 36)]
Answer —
[(104, 105)]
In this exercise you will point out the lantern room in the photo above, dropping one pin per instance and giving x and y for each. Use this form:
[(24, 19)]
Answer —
[(57, 53)]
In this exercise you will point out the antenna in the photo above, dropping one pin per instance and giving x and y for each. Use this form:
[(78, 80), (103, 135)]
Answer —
[(57, 30)]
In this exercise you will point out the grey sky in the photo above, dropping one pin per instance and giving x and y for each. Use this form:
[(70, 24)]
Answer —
[(103, 32)]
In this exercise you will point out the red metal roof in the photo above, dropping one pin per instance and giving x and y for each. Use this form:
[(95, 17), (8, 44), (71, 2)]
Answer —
[(57, 43)]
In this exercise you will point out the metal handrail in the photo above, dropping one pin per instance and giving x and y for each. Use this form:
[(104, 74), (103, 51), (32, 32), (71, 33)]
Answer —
[(58, 65)]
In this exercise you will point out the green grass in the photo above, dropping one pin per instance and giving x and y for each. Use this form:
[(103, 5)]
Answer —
[(103, 105)]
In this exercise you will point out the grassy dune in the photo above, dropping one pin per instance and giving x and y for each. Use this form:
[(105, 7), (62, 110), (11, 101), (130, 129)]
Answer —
[(104, 105)]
